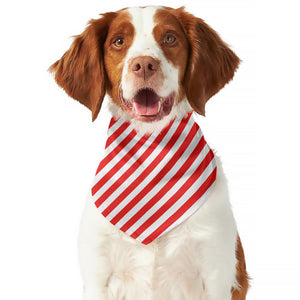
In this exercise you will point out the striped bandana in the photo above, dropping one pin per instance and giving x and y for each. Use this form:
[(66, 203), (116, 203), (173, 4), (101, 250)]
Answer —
[(148, 184)]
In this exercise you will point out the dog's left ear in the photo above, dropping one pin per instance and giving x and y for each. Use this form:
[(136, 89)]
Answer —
[(211, 63), (80, 71)]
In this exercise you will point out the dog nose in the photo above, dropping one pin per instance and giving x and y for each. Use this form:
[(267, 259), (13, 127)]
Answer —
[(144, 66)]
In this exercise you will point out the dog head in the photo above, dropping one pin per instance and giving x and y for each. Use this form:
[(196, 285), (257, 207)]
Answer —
[(155, 63)]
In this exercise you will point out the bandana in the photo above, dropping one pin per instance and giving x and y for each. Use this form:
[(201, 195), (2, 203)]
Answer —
[(148, 184)]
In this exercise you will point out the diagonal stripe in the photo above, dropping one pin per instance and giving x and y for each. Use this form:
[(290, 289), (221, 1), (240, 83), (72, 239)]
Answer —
[(148, 170), (133, 150), (169, 194), (116, 134), (141, 167), (178, 204), (207, 183), (146, 185), (191, 180), (114, 124), (116, 151), (123, 177), (113, 121), (118, 139), (197, 150), (189, 212), (163, 172), (135, 165), (120, 164)]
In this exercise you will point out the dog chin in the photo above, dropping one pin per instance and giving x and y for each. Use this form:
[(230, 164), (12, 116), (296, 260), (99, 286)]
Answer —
[(179, 110)]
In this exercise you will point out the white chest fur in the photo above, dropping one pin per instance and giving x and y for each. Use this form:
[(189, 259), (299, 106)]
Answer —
[(196, 260)]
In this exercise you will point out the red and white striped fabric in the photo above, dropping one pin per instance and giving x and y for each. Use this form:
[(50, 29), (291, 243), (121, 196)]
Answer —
[(148, 184)]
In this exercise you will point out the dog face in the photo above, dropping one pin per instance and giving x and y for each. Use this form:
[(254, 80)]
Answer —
[(145, 50), (153, 62)]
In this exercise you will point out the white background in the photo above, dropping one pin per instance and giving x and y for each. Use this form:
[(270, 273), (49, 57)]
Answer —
[(50, 148)]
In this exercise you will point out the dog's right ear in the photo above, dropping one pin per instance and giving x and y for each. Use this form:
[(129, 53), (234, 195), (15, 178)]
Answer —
[(80, 71)]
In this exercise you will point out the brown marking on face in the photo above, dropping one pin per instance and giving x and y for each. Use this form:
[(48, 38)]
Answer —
[(120, 28), (175, 52), (211, 63), (80, 71)]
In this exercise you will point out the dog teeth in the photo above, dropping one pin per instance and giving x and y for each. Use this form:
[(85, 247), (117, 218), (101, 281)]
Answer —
[(159, 104)]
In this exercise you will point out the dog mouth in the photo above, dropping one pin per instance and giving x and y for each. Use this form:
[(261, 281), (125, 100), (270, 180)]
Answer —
[(147, 105)]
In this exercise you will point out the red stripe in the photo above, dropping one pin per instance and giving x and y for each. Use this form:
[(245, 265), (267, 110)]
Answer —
[(144, 174), (116, 150), (136, 164), (113, 121), (188, 204), (120, 163), (116, 133), (147, 171), (162, 173), (165, 188), (192, 179)]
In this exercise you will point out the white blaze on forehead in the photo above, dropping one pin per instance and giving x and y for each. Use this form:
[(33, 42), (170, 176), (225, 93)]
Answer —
[(143, 22), (144, 44)]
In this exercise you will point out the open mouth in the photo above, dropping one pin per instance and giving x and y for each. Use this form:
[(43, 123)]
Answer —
[(148, 105)]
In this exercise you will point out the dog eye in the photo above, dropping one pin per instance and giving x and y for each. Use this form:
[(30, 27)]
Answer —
[(169, 39), (119, 42)]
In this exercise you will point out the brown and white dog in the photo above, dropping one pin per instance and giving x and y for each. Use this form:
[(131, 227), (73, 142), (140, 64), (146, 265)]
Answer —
[(177, 62)]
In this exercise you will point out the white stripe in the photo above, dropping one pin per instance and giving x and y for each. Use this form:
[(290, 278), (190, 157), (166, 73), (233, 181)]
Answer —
[(136, 173), (127, 166), (119, 139), (177, 205), (171, 192), (180, 162), (122, 154), (114, 127), (190, 211), (152, 175)]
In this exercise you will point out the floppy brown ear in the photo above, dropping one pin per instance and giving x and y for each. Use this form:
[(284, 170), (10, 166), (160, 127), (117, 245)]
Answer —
[(211, 63), (80, 71)]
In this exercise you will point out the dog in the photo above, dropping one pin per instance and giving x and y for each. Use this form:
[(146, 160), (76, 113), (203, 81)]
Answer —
[(157, 65)]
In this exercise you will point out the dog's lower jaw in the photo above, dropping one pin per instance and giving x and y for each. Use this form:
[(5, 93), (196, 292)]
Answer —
[(179, 110)]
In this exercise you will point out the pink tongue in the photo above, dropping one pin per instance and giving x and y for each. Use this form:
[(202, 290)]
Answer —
[(146, 103), (146, 110)]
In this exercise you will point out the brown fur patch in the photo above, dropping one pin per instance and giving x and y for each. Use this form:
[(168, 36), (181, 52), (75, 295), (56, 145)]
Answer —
[(80, 71), (113, 57), (241, 275), (176, 53), (211, 63)]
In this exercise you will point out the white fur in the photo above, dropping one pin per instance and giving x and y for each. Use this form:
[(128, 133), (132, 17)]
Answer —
[(194, 261), (145, 44), (198, 253)]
